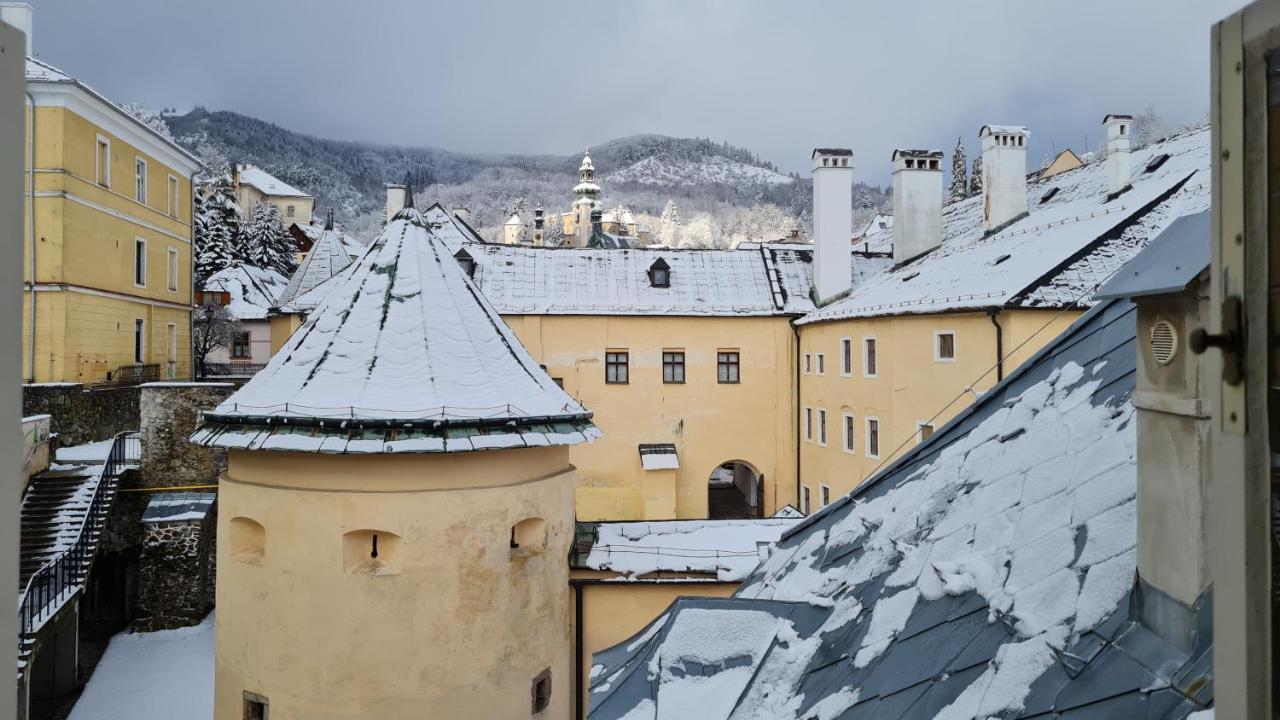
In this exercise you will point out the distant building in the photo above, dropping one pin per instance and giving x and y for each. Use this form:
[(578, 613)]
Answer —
[(513, 230), (619, 225), (108, 234), (1065, 160), (248, 293), (253, 185)]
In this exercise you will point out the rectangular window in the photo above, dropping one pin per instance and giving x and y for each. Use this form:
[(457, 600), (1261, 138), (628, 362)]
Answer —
[(869, 366), (140, 262), (173, 196), (924, 431), (255, 707), (808, 364), (822, 426), (173, 342), (944, 346), (103, 162), (615, 368), (288, 211), (672, 366), (727, 366), (139, 341), (559, 382), (241, 347), (808, 424), (824, 495), (822, 364), (140, 180), (171, 270), (804, 499), (846, 357), (873, 438), (848, 433)]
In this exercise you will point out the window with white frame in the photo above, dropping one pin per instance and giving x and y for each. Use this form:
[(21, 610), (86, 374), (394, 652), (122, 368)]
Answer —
[(873, 438), (139, 341), (808, 364), (870, 366), (171, 270), (822, 426), (172, 204), (824, 495), (822, 364), (848, 433), (102, 160), (944, 346), (804, 499), (140, 262), (173, 342), (846, 356), (808, 424), (140, 180)]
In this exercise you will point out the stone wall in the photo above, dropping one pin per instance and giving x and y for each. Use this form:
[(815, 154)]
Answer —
[(170, 413), (83, 414), (175, 576)]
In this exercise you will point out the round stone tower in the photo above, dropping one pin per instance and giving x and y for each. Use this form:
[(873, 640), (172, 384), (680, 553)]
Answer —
[(397, 508)]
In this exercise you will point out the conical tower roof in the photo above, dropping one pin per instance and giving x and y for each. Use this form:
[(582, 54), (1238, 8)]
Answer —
[(403, 355), (327, 258)]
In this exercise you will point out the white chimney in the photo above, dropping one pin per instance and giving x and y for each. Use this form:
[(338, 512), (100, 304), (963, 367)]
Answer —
[(395, 200), (1119, 128), (832, 222), (17, 15), (1004, 174), (917, 202)]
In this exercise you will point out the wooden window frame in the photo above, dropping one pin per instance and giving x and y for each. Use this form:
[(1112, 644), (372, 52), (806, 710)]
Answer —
[(848, 426), (846, 357), (873, 436), (141, 176), (140, 258), (673, 360), (937, 346), (613, 361), (726, 364), (870, 357)]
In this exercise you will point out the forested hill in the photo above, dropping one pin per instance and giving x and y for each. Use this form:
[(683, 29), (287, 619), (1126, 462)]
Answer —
[(709, 181)]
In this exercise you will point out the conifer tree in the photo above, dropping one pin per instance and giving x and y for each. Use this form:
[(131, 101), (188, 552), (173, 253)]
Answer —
[(217, 226), (975, 177), (266, 244), (959, 174), (669, 225)]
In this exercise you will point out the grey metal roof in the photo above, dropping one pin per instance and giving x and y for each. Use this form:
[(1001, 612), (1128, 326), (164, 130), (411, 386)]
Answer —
[(816, 602), (1171, 261), (179, 507)]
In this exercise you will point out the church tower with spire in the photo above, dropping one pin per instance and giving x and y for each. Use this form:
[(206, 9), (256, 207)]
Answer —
[(586, 197)]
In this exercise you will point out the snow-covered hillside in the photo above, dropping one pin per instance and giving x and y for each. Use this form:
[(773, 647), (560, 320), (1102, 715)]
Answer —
[(664, 170)]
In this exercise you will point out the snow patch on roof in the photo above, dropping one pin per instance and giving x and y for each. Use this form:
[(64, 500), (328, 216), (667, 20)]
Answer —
[(267, 183), (327, 257), (727, 548), (253, 290)]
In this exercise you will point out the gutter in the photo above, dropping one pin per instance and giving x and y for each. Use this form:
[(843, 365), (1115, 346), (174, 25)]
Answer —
[(31, 205), (994, 313), (795, 416)]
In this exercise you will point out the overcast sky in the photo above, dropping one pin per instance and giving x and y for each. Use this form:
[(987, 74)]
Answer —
[(779, 77)]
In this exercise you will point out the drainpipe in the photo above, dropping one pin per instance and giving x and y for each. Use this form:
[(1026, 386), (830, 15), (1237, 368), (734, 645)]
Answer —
[(31, 208), (994, 313), (579, 711), (795, 329)]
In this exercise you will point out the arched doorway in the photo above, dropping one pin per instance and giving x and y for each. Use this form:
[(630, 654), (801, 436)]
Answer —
[(735, 489)]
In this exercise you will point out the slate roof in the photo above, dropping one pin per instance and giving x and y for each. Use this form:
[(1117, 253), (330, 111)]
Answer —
[(1168, 264), (403, 355), (752, 280), (986, 573), (253, 290), (327, 257), (1075, 236)]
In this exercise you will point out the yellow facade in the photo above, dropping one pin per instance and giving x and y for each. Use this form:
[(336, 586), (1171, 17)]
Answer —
[(464, 622), (292, 208), (90, 220), (911, 387), (709, 422)]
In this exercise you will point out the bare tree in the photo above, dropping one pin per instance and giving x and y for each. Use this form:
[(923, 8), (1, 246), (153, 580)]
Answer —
[(212, 328)]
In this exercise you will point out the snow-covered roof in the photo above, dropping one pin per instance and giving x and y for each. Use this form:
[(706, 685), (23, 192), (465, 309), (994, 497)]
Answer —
[(402, 355), (1076, 236), (726, 548), (449, 228), (327, 257), (1003, 130), (513, 220), (354, 247), (620, 215), (267, 183), (987, 573), (253, 290), (752, 280)]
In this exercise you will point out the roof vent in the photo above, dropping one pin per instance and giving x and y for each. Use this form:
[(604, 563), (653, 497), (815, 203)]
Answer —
[(1001, 259), (1164, 341), (912, 275), (1048, 195), (1155, 163)]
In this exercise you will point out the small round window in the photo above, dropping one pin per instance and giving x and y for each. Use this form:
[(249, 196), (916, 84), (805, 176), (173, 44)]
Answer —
[(1164, 341)]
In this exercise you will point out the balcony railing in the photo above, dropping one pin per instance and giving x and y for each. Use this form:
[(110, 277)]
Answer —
[(231, 369)]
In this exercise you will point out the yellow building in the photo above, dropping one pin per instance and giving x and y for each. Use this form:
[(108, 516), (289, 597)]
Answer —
[(397, 508), (911, 346), (1064, 161), (107, 250), (253, 185)]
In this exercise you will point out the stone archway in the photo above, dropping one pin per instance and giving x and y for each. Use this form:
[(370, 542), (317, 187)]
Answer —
[(735, 490)]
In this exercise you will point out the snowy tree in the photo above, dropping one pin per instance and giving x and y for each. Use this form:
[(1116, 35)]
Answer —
[(1148, 127), (150, 118), (217, 228), (212, 328), (669, 226), (959, 168), (265, 243), (975, 177)]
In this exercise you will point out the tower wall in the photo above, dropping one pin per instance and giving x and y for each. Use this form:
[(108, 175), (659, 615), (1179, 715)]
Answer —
[(449, 620)]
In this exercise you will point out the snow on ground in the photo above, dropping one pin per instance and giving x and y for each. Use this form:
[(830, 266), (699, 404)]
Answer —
[(94, 453), (152, 676), (724, 547)]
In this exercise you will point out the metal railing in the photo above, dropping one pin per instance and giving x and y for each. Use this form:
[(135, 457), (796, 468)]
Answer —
[(58, 578), (230, 369), (132, 374)]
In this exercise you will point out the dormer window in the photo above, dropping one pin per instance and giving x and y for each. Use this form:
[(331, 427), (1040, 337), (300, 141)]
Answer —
[(660, 274), (467, 262)]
